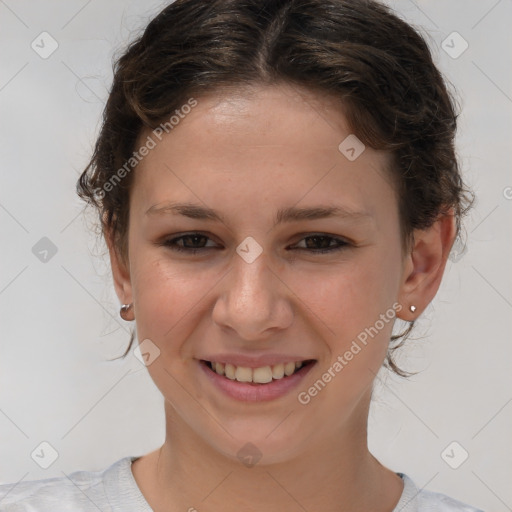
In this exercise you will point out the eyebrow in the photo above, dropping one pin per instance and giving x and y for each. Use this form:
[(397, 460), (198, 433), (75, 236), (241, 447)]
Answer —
[(288, 214)]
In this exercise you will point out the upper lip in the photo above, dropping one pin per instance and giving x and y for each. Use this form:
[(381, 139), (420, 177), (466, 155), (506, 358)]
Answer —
[(254, 361)]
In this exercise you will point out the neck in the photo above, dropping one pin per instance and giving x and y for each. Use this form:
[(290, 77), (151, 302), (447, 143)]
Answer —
[(337, 474)]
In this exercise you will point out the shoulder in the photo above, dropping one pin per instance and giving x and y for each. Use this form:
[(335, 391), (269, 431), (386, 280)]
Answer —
[(430, 501), (422, 500), (79, 491)]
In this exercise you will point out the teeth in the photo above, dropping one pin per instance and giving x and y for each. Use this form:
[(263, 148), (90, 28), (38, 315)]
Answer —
[(219, 368), (278, 371), (261, 375), (230, 371), (243, 374), (289, 368)]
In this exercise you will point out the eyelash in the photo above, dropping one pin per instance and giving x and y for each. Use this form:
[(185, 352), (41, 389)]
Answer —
[(171, 244)]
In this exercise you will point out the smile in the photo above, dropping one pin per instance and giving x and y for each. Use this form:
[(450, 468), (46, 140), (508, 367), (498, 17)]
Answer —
[(261, 375), (256, 384)]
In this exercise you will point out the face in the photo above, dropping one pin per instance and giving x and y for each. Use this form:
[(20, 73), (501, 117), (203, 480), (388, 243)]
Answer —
[(266, 282)]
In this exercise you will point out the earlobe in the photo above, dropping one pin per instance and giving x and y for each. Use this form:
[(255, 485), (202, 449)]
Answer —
[(425, 265)]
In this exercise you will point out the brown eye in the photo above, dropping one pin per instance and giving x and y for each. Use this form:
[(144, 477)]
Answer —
[(191, 243), (322, 244)]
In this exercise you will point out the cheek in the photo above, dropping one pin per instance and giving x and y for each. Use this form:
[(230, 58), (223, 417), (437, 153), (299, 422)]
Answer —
[(352, 308), (356, 324), (166, 295), (170, 304), (349, 296)]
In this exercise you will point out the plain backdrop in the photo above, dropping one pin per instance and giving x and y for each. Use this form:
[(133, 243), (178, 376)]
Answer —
[(59, 314)]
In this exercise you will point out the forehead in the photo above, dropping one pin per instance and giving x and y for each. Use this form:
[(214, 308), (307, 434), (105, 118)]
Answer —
[(271, 115), (254, 140)]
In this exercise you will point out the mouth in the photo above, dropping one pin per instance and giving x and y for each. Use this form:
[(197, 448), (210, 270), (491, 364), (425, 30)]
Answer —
[(260, 376)]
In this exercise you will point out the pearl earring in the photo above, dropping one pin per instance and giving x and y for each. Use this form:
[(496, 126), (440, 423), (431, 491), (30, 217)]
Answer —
[(412, 308)]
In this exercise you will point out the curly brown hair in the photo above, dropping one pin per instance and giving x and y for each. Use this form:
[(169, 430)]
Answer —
[(357, 51)]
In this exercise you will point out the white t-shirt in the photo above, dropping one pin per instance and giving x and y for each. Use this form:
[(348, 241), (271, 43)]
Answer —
[(114, 489)]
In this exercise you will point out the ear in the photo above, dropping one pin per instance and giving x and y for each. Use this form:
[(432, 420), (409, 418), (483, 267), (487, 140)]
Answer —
[(424, 266), (120, 272)]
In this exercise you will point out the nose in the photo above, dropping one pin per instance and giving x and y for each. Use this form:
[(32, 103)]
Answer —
[(253, 300)]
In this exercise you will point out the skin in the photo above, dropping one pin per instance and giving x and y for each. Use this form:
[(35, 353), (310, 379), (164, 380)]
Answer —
[(246, 154)]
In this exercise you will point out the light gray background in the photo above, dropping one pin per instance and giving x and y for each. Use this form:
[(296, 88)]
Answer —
[(59, 319)]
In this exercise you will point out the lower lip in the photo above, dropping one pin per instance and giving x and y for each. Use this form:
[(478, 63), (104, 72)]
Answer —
[(249, 392)]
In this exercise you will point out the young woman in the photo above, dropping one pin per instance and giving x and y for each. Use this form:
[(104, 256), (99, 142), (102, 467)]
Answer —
[(277, 183)]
